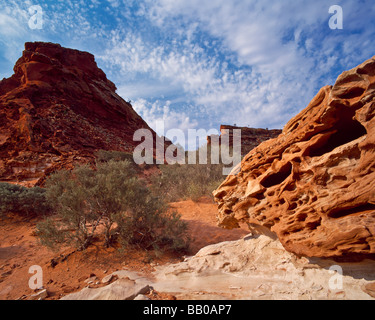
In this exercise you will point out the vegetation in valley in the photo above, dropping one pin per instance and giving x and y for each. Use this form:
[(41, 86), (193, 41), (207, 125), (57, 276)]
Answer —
[(191, 180), (113, 202)]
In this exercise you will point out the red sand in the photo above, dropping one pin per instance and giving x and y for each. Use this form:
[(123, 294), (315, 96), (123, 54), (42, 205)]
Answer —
[(20, 249)]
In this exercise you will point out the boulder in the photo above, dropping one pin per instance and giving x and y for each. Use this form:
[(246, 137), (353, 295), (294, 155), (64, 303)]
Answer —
[(314, 185), (128, 286), (40, 295), (107, 279), (122, 289)]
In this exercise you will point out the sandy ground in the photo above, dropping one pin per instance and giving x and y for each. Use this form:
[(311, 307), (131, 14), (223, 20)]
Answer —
[(201, 217), (20, 249)]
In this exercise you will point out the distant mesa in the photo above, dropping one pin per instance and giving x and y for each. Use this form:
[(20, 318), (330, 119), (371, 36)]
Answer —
[(314, 185), (250, 137)]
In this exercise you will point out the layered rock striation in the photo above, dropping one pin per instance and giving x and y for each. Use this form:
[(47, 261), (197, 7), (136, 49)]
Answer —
[(58, 109), (314, 185)]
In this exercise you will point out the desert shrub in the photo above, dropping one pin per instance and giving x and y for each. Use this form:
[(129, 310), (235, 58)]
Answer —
[(187, 181), (149, 225), (111, 197), (83, 198), (23, 201), (105, 156)]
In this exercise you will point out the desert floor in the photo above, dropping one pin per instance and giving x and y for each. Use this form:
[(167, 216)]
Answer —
[(65, 271)]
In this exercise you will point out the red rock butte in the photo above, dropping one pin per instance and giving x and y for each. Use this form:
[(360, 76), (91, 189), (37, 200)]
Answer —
[(250, 137), (314, 185), (56, 110)]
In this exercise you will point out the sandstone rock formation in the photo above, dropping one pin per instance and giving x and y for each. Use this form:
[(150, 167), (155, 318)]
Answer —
[(250, 137), (56, 110), (257, 267), (121, 289), (129, 285), (314, 185)]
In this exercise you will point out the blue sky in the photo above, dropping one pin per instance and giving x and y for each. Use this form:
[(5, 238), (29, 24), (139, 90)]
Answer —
[(201, 63)]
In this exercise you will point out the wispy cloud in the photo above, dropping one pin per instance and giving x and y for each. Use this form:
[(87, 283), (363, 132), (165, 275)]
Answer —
[(200, 63), (288, 45)]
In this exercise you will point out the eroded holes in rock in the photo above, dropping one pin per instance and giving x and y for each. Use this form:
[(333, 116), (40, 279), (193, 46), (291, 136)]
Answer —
[(291, 187), (301, 217), (339, 213), (292, 206), (227, 211), (270, 194), (312, 225), (352, 93), (295, 126), (277, 178), (351, 78), (259, 196), (369, 69), (339, 178), (348, 129)]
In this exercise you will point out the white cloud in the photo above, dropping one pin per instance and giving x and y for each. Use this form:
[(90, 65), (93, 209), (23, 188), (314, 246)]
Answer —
[(200, 63), (287, 44), (164, 121), (14, 30), (221, 95)]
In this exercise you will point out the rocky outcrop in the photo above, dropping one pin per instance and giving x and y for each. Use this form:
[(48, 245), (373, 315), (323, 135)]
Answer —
[(314, 185), (57, 110), (128, 286), (250, 137), (254, 267), (257, 267)]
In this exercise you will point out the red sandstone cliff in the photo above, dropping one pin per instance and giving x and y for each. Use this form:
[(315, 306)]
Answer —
[(58, 109)]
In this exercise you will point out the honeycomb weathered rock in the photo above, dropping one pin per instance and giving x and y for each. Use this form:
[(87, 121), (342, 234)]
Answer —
[(314, 185)]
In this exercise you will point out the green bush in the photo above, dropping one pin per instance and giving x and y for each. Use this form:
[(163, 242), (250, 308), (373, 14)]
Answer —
[(149, 225), (105, 156), (23, 201), (187, 181), (110, 197)]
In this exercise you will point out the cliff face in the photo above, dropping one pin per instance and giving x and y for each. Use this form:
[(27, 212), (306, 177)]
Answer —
[(58, 109), (250, 137), (314, 185)]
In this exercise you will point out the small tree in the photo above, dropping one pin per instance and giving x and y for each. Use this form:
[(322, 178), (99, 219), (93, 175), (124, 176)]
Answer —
[(111, 195), (83, 198), (149, 225)]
